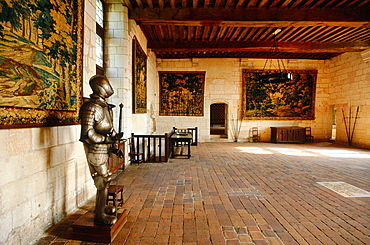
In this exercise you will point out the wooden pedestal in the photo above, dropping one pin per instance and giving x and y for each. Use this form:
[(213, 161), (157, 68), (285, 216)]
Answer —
[(85, 229)]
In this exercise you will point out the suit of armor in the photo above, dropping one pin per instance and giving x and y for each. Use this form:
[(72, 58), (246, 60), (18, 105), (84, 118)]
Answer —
[(97, 134)]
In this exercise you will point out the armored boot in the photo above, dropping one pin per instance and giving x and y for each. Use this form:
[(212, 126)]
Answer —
[(104, 215)]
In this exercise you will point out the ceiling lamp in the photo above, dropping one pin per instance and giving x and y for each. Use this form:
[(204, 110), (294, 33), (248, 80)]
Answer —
[(274, 71)]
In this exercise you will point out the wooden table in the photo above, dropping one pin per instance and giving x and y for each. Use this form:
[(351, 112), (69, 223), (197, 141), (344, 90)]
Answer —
[(181, 139)]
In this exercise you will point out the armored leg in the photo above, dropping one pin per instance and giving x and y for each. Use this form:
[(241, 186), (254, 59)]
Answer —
[(98, 165), (101, 216)]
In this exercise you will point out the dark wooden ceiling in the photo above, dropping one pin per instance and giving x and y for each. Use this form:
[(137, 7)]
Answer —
[(301, 29)]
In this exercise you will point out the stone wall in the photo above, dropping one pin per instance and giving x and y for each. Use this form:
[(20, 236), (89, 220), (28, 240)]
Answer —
[(223, 84), (44, 177), (119, 67), (349, 89), (117, 61)]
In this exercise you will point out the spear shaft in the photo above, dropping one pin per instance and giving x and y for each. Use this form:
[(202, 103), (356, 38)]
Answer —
[(349, 126), (345, 125), (354, 124)]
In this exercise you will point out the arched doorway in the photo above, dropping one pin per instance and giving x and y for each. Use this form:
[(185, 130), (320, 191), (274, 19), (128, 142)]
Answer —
[(218, 119)]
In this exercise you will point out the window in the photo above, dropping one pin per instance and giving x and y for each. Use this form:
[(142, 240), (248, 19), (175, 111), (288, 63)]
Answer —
[(99, 37), (99, 51), (99, 13)]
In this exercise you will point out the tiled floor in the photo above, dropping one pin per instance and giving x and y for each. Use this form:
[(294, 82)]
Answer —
[(243, 193)]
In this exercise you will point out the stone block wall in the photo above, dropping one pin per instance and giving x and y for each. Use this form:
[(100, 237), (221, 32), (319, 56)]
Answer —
[(349, 89), (116, 58), (223, 84), (44, 177), (119, 41)]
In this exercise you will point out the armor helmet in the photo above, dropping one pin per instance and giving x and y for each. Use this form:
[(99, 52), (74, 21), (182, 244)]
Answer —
[(101, 86)]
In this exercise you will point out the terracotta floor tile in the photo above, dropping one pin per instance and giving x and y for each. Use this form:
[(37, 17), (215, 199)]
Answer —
[(175, 240), (230, 193)]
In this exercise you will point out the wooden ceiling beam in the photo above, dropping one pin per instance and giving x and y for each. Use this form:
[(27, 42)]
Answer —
[(252, 17), (181, 55), (258, 46), (272, 24)]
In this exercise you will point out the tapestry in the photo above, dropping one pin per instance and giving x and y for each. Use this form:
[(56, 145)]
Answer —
[(139, 90), (279, 99), (181, 93), (40, 62)]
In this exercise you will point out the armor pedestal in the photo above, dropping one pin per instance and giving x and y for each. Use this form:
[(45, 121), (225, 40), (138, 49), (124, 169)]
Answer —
[(85, 229)]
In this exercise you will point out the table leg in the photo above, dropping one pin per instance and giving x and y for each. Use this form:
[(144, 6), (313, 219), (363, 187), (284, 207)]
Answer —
[(173, 149), (189, 150)]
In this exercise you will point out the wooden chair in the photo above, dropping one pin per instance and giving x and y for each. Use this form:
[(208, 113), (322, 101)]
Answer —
[(254, 135), (192, 131), (134, 156), (115, 195), (309, 137), (180, 131)]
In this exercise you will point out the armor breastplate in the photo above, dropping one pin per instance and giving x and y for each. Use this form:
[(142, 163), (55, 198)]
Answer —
[(103, 120), (96, 121)]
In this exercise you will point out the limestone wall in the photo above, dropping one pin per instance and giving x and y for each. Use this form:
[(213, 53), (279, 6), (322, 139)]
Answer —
[(223, 84), (119, 66), (117, 61), (44, 177), (349, 89)]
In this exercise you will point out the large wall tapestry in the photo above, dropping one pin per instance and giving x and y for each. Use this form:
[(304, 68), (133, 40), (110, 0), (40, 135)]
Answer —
[(139, 97), (40, 62), (181, 93), (274, 99)]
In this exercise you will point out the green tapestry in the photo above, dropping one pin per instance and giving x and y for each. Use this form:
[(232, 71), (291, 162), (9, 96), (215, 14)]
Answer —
[(40, 61), (181, 93), (139, 83), (279, 99)]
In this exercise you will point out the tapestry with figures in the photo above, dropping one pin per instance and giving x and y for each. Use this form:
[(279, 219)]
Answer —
[(266, 97), (181, 93), (40, 62)]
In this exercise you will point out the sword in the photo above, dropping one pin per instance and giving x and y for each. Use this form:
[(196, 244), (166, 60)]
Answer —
[(116, 148), (120, 119)]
